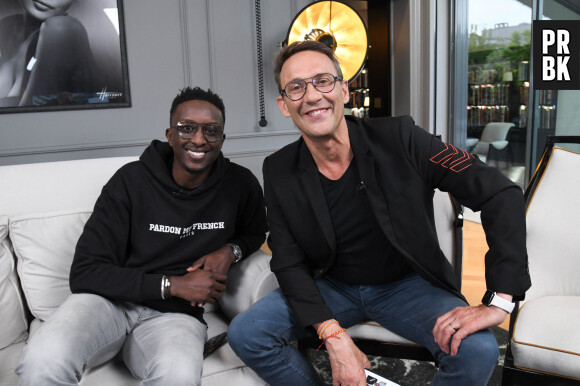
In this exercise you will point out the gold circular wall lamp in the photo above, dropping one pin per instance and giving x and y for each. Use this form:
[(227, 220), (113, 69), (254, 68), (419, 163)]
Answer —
[(338, 26)]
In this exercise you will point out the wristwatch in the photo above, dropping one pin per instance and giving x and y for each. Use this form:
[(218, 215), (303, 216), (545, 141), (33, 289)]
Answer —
[(491, 299), (237, 251)]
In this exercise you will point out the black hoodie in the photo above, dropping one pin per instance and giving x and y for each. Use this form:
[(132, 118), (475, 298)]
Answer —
[(145, 226)]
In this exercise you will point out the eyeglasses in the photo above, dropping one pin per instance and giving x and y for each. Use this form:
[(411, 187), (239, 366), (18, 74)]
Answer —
[(296, 89), (211, 132)]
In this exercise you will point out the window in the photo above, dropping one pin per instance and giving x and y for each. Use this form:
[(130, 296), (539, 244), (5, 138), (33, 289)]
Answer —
[(498, 81), (555, 112)]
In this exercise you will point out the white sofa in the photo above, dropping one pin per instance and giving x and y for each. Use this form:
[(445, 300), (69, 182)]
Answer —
[(43, 208)]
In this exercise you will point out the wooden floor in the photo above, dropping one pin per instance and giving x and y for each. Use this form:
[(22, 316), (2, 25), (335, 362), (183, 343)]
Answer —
[(474, 248)]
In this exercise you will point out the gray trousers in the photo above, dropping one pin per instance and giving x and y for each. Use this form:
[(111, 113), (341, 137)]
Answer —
[(88, 330)]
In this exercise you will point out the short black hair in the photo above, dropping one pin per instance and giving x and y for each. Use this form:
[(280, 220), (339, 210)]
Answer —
[(197, 93)]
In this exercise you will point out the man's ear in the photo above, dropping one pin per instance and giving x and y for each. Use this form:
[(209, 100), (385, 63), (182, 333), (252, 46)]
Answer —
[(345, 92), (282, 106), (169, 136)]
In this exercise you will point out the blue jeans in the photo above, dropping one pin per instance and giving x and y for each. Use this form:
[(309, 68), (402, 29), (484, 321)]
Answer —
[(261, 336), (88, 330)]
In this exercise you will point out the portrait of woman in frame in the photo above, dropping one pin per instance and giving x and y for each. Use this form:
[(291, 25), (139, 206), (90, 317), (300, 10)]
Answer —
[(62, 54)]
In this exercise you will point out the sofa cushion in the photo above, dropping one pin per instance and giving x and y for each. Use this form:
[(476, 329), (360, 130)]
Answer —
[(12, 318), (44, 245), (9, 359), (51, 186)]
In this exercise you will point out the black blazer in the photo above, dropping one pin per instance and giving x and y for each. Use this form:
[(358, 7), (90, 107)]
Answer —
[(400, 164)]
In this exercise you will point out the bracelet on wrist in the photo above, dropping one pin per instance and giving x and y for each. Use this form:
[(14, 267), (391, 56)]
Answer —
[(333, 335), (324, 326), (166, 288)]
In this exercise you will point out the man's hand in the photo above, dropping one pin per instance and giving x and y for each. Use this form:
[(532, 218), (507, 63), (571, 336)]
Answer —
[(199, 286), (346, 360), (218, 261), (463, 321)]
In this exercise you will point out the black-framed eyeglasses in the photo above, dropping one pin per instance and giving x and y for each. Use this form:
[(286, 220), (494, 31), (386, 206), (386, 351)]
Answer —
[(296, 89), (211, 132)]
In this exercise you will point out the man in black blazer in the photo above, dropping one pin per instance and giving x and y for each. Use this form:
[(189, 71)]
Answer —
[(350, 210)]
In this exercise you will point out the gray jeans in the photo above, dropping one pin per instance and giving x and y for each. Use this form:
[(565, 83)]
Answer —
[(88, 330)]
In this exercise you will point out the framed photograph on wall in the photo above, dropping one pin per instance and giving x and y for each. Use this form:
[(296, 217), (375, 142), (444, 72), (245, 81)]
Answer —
[(62, 55)]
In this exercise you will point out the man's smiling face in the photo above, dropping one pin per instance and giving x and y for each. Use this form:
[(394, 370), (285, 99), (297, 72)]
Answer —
[(316, 114), (193, 158)]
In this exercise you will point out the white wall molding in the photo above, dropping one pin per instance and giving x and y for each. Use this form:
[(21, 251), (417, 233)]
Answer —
[(185, 47), (39, 150), (420, 60), (210, 44)]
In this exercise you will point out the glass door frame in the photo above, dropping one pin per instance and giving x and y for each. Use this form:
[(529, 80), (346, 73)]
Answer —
[(458, 74)]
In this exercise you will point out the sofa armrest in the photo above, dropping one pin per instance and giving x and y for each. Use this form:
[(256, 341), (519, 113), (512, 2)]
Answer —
[(248, 281)]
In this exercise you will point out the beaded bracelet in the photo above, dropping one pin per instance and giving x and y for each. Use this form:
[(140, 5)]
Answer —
[(333, 335)]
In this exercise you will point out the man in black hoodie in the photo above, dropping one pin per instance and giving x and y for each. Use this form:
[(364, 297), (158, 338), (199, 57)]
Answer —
[(158, 246)]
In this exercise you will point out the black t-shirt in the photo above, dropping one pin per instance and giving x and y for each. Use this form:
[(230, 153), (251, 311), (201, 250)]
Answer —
[(364, 254)]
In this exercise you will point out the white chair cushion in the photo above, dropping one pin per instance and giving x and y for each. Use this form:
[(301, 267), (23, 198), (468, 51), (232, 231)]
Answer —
[(44, 245), (12, 317), (546, 336), (495, 131), (9, 359)]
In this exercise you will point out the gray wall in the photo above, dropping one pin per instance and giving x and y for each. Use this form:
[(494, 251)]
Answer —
[(171, 44)]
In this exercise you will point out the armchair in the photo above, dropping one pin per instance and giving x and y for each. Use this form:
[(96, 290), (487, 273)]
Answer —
[(494, 133), (544, 338)]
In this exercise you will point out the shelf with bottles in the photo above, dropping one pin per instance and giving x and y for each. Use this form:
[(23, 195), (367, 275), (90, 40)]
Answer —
[(497, 94), (547, 109), (482, 115), (359, 101), (488, 96)]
